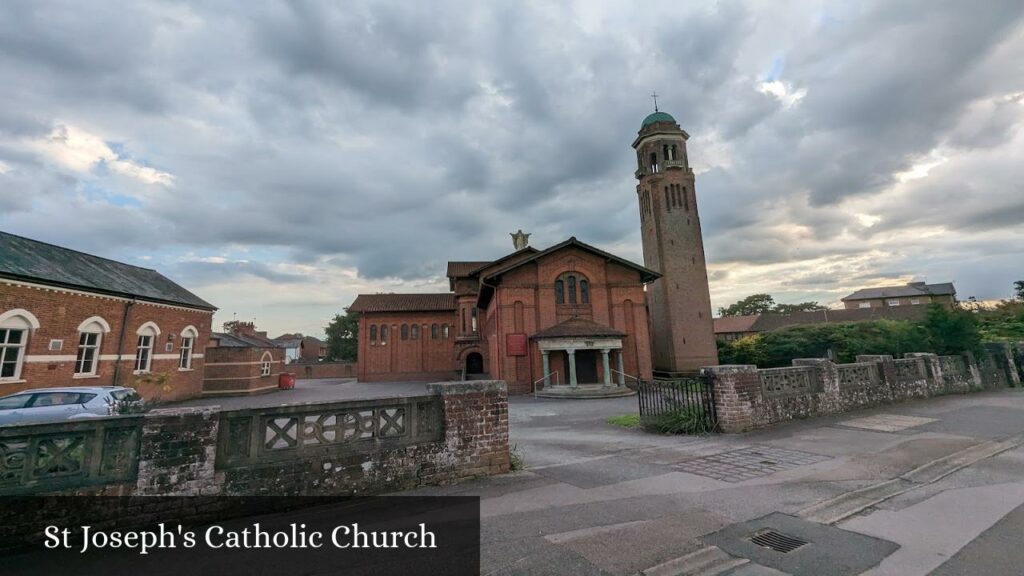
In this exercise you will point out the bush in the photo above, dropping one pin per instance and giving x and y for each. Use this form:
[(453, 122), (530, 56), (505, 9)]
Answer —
[(942, 331), (688, 420)]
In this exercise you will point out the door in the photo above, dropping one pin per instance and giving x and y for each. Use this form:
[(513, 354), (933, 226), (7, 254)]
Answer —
[(586, 367), (474, 363)]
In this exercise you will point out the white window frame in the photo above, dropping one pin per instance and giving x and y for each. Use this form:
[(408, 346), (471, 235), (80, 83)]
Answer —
[(864, 305), (22, 321), (892, 302), (144, 350), (185, 353), (93, 325), (915, 301), (265, 362), (84, 349)]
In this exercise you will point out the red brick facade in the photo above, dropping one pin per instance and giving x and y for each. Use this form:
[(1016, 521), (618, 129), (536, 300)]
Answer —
[(234, 371), (60, 313), (423, 354)]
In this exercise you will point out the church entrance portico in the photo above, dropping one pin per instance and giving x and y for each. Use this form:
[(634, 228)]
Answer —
[(589, 352)]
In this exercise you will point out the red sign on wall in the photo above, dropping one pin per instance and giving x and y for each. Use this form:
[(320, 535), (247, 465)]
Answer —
[(516, 344)]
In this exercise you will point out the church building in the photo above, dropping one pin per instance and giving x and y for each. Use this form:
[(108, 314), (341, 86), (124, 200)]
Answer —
[(569, 315)]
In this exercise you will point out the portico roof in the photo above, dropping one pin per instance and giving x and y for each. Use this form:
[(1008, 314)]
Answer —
[(579, 328)]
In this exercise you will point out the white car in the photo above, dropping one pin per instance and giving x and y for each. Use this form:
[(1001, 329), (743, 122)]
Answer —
[(61, 404)]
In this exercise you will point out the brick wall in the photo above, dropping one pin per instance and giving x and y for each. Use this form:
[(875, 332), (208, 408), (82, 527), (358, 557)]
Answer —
[(747, 398), (303, 370), (61, 312), (237, 370)]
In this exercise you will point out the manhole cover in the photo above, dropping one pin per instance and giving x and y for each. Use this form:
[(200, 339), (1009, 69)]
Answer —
[(776, 541)]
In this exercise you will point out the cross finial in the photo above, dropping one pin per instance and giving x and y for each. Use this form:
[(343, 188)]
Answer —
[(655, 96)]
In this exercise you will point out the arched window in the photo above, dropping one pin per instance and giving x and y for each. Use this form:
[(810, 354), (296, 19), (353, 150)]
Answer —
[(373, 333), (559, 292), (415, 332), (147, 334), (265, 362), (14, 330), (584, 292), (188, 342), (444, 331), (90, 338), (433, 331), (571, 286), (405, 331), (383, 334)]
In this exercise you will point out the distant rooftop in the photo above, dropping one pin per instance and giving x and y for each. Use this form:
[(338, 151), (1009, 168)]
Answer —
[(34, 261), (909, 290)]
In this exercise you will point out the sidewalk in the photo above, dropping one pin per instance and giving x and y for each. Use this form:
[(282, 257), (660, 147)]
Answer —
[(598, 499)]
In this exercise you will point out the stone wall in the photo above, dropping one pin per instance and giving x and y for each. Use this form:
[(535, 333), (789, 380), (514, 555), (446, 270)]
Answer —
[(747, 398), (455, 431)]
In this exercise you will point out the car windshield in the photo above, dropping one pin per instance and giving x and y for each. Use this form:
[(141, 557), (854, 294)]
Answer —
[(16, 401)]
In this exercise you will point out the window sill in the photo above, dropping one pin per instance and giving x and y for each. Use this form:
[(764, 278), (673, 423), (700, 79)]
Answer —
[(84, 376), (140, 372), (186, 369), (20, 381)]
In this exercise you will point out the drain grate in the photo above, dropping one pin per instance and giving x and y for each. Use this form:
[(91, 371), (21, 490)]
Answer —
[(775, 541)]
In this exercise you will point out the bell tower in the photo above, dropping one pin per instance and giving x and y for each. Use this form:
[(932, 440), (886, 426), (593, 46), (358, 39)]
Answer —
[(682, 331)]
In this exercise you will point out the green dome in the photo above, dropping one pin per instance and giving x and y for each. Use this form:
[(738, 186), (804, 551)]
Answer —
[(657, 117)]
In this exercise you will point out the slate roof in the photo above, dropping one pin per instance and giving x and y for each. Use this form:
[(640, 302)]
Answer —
[(404, 303), (242, 341), (33, 261), (908, 290), (578, 328)]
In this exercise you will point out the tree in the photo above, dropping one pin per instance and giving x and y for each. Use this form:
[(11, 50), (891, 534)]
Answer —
[(1018, 289), (753, 304), (951, 331), (343, 337), (798, 307)]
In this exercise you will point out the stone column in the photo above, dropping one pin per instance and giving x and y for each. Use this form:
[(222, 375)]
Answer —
[(571, 354), (622, 369), (607, 367), (547, 368), (177, 450)]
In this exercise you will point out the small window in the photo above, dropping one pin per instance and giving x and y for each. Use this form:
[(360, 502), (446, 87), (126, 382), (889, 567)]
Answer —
[(668, 200), (144, 353), (56, 345), (893, 302), (88, 346), (915, 301), (373, 333), (265, 369), (433, 331), (444, 331), (559, 292), (584, 292), (864, 305), (415, 332), (405, 332), (571, 287), (383, 334), (473, 320), (185, 355)]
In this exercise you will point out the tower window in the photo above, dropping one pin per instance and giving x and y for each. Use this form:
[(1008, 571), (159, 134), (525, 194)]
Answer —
[(654, 162), (668, 200), (686, 201)]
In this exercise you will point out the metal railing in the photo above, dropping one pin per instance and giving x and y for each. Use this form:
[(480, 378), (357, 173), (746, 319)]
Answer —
[(635, 379), (558, 380), (693, 397)]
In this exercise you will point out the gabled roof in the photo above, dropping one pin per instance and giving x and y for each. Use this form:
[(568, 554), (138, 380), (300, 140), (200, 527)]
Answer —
[(33, 261), (404, 303), (578, 328), (460, 269), (646, 274), (908, 290)]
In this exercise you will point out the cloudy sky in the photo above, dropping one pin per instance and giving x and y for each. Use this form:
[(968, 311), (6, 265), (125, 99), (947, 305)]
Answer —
[(279, 158)]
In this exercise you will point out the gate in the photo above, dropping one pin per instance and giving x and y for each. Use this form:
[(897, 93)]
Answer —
[(691, 399)]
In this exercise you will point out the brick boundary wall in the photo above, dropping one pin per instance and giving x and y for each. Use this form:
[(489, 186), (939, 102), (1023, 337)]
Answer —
[(747, 398), (174, 452), (307, 370)]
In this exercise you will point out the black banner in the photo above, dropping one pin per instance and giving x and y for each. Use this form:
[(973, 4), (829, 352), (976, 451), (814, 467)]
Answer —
[(193, 536)]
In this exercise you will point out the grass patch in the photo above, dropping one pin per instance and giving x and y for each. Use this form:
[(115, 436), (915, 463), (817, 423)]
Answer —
[(689, 420), (625, 420)]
